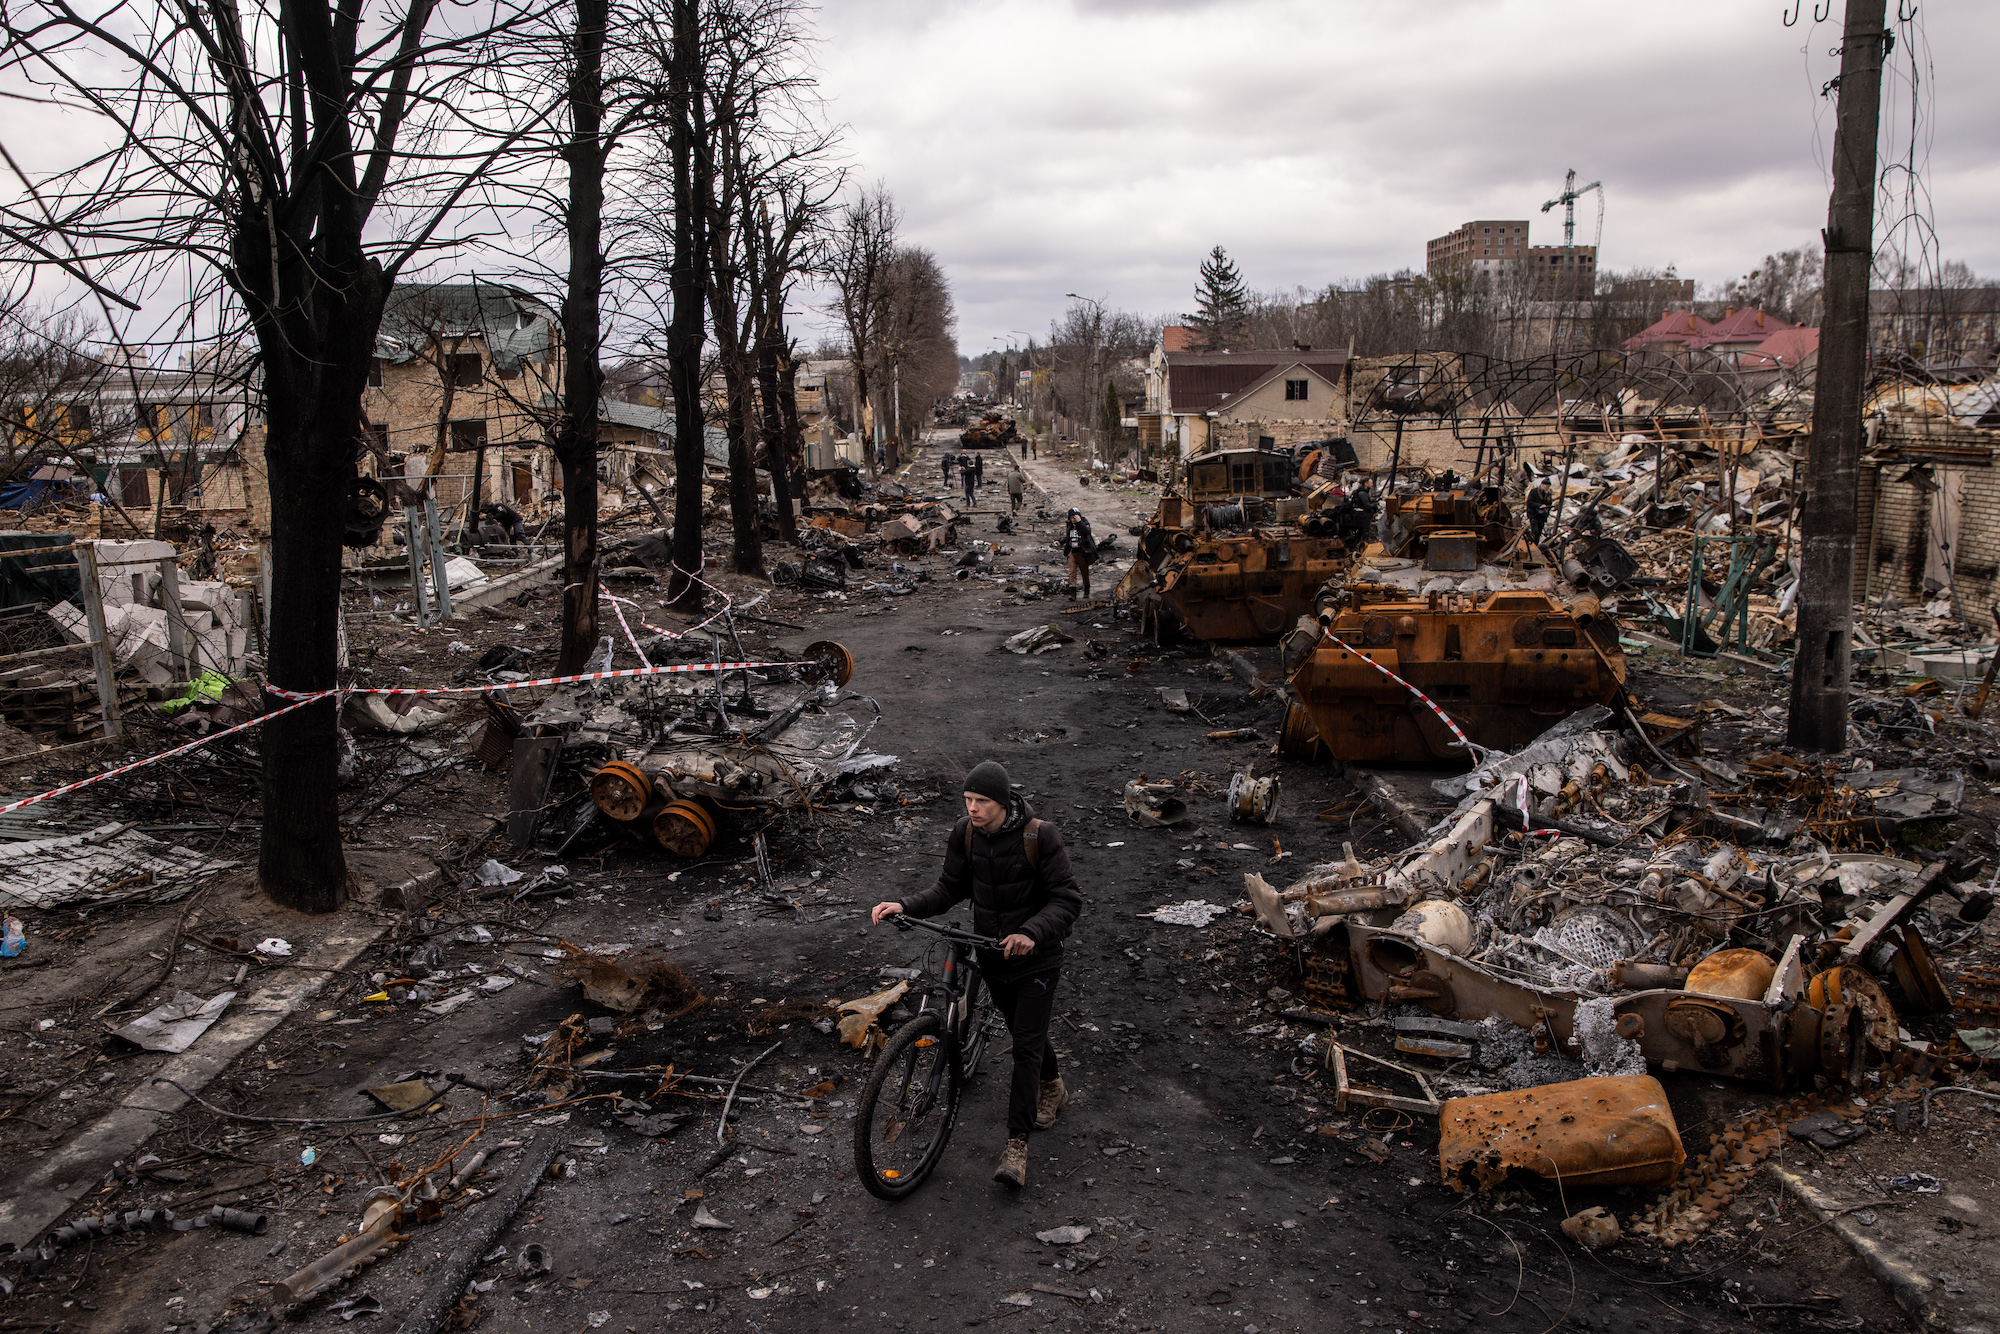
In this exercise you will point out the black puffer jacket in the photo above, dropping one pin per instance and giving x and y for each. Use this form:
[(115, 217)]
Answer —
[(1008, 895)]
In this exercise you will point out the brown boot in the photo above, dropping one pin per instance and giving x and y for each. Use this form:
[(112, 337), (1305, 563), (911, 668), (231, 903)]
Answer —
[(1013, 1169), (1054, 1095)]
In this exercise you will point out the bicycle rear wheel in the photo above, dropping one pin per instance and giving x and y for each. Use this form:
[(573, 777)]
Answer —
[(906, 1112)]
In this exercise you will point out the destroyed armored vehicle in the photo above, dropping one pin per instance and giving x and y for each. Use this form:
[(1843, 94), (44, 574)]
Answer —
[(993, 431), (1500, 666), (1238, 551)]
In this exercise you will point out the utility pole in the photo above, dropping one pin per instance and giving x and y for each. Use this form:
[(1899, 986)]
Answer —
[(1826, 552)]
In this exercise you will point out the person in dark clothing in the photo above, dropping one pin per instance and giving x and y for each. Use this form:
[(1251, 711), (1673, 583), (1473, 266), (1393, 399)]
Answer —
[(965, 476), (946, 464), (979, 469), (1539, 501), (508, 518), (1015, 869), (1081, 548), (1354, 518)]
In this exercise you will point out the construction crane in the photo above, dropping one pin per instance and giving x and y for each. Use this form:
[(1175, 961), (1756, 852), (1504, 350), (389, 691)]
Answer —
[(1568, 200)]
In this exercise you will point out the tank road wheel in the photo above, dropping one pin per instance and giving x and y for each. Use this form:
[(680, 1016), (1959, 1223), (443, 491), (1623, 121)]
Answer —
[(1299, 739), (828, 661)]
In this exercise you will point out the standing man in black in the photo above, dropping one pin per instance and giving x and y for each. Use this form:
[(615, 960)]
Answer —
[(965, 475), (1081, 549), (945, 465), (1016, 871), (1539, 503)]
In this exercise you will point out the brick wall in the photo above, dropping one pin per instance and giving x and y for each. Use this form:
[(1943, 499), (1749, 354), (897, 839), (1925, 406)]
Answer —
[(1976, 566), (1244, 435)]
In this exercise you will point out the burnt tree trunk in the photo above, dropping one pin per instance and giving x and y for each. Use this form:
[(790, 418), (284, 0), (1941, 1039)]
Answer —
[(687, 146), (575, 443), (314, 298), (778, 440), (725, 275)]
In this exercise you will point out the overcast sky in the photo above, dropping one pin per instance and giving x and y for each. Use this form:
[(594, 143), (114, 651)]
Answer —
[(1102, 146)]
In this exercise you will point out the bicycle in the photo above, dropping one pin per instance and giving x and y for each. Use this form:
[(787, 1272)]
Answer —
[(910, 1104)]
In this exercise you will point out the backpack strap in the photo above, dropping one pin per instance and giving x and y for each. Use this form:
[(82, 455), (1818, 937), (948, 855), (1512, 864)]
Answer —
[(1031, 844)]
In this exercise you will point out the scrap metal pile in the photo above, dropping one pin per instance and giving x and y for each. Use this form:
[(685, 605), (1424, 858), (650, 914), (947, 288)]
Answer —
[(671, 762), (1594, 908)]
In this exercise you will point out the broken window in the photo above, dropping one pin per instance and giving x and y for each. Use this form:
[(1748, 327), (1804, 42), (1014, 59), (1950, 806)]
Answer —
[(134, 490), (78, 419), (375, 373), (465, 370), (468, 434), (1295, 391)]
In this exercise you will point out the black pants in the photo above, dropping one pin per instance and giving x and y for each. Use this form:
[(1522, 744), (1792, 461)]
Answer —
[(1027, 1005)]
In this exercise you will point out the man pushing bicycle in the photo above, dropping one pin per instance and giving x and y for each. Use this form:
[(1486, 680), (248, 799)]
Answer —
[(1016, 870)]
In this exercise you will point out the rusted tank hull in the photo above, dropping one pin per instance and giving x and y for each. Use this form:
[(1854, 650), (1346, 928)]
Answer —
[(1505, 667), (1252, 586)]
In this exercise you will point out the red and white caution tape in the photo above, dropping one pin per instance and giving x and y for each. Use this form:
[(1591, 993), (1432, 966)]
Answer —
[(1478, 752), (617, 674), (300, 698), (197, 744)]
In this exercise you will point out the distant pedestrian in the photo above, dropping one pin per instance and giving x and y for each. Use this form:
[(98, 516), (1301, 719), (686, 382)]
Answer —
[(1017, 488), (1081, 548), (1035, 445), (1539, 503), (1024, 449), (965, 477), (508, 518), (979, 469), (945, 465)]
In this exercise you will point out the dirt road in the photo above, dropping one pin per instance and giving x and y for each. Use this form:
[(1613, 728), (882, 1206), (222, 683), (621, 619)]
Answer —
[(1200, 1148)]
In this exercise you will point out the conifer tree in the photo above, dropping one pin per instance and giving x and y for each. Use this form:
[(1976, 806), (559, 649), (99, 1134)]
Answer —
[(1222, 315)]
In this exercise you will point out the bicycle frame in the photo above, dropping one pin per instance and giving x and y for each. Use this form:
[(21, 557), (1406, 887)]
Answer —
[(955, 983)]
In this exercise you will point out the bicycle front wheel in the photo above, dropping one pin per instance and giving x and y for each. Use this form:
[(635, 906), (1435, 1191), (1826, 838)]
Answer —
[(906, 1113)]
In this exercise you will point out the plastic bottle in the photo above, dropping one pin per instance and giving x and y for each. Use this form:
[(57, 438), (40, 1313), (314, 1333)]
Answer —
[(14, 940)]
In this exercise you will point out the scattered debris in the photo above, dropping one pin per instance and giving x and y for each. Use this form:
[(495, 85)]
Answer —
[(174, 1026)]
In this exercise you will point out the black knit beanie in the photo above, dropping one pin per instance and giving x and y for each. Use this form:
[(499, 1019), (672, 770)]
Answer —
[(990, 780)]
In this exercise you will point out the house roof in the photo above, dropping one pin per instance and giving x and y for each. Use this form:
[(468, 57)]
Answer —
[(1787, 349), (1204, 381), (1284, 370), (638, 416), (1747, 325), (1682, 327), (514, 324)]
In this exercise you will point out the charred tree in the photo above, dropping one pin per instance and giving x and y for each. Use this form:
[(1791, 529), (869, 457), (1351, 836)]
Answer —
[(575, 437), (692, 172)]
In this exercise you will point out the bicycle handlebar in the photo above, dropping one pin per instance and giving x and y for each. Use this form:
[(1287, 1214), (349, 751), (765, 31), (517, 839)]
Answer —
[(903, 922)]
